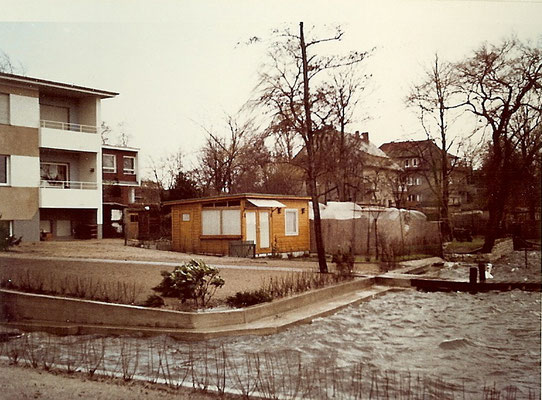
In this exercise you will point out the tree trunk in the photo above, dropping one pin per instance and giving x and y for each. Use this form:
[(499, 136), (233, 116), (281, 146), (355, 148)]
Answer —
[(309, 143), (498, 189)]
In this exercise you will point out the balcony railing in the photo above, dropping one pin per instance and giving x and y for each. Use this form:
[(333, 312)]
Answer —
[(66, 126), (68, 185)]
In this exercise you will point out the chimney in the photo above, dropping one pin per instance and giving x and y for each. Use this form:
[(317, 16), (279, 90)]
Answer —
[(365, 137)]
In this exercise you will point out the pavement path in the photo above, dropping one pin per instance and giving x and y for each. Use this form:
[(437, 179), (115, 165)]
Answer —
[(146, 262)]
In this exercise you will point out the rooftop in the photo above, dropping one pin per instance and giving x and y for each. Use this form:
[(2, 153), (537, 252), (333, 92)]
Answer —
[(238, 196), (55, 88)]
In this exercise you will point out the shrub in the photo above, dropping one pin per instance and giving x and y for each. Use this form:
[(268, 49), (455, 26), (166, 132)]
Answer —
[(246, 299), (6, 240), (154, 301), (193, 280), (344, 262)]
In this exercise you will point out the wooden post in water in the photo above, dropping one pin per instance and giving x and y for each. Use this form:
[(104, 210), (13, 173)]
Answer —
[(473, 274)]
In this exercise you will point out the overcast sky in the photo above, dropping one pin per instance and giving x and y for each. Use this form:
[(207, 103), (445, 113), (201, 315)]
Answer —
[(177, 64)]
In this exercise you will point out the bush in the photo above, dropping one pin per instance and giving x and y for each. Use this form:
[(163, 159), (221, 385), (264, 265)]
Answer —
[(6, 240), (344, 262), (193, 280), (246, 299), (154, 301)]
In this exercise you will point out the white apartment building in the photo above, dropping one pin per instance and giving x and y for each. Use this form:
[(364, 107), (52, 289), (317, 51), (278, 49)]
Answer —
[(50, 158)]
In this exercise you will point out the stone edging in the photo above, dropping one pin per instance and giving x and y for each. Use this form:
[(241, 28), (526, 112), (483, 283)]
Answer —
[(19, 307)]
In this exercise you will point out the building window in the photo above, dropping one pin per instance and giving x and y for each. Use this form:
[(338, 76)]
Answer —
[(55, 174), (418, 181), (4, 170), (129, 165), (221, 222), (291, 222), (414, 162), (7, 227), (4, 108), (109, 163), (407, 163), (414, 197)]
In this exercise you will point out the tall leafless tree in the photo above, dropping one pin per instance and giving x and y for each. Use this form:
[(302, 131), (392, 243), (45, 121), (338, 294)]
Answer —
[(293, 89), (498, 82), (435, 98)]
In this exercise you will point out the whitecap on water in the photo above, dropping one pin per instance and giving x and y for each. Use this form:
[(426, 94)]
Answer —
[(453, 344)]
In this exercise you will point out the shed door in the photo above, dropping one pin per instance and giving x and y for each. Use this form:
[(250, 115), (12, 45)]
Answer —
[(251, 225), (264, 229)]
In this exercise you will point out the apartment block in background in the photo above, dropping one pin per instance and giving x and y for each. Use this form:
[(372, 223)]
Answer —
[(50, 158), (120, 176)]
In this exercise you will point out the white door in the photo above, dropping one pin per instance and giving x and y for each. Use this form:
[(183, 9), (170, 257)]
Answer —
[(264, 229), (63, 228), (251, 225)]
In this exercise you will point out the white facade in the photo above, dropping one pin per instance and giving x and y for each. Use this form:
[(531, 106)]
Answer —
[(24, 111), (59, 165), (78, 197), (52, 138), (24, 171)]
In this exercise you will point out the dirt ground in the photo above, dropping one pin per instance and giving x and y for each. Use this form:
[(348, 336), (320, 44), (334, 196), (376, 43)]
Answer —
[(60, 386), (143, 277)]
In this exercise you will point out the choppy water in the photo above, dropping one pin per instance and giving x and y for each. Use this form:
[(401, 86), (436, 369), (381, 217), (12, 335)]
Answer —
[(457, 338), (487, 337)]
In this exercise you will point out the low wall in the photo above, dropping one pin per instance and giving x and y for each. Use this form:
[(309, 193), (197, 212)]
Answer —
[(501, 248), (20, 307)]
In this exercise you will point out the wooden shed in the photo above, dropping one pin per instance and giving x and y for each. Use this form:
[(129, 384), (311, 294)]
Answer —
[(241, 225)]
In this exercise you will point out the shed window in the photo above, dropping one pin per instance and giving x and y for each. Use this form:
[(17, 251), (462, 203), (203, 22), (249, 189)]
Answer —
[(291, 222), (221, 222)]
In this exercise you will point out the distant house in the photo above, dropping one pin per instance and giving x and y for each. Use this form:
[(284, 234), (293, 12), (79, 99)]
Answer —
[(273, 224), (418, 185), (120, 178), (351, 168)]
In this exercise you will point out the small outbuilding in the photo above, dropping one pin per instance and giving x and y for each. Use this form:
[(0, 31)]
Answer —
[(241, 225)]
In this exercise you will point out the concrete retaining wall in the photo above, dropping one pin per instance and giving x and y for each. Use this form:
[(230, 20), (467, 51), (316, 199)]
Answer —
[(18, 306)]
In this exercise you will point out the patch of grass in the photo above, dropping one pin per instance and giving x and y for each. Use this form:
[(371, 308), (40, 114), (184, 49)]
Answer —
[(76, 286), (465, 247)]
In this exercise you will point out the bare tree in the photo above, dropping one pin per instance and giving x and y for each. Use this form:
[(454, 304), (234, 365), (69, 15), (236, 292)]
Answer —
[(498, 82), (232, 162), (10, 67), (293, 89), (435, 98), (172, 179)]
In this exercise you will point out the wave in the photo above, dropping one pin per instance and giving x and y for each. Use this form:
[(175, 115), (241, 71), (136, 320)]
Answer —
[(453, 344)]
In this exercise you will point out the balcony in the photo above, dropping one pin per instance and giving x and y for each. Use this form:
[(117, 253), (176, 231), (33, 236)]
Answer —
[(69, 136), (69, 194)]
